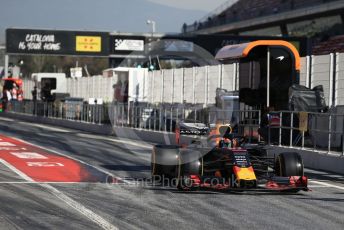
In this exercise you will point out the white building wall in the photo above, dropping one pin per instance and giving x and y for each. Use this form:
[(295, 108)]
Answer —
[(339, 85), (213, 82), (303, 72), (28, 85), (178, 86), (168, 85), (228, 77), (158, 86), (200, 85), (321, 75), (189, 85), (149, 86)]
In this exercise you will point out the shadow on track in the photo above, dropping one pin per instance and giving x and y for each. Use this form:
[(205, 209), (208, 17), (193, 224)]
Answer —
[(323, 199), (130, 168)]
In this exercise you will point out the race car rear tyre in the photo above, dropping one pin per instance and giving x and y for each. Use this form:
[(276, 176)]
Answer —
[(289, 164), (164, 161)]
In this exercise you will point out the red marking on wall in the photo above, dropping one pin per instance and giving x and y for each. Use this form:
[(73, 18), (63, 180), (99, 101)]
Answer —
[(41, 165)]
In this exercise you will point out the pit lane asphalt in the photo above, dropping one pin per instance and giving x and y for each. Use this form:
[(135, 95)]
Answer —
[(31, 206)]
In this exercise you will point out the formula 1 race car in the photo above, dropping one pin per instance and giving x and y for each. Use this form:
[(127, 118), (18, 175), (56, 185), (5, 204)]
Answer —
[(225, 161)]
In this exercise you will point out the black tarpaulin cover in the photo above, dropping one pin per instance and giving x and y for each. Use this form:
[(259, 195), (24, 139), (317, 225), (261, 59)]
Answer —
[(302, 98)]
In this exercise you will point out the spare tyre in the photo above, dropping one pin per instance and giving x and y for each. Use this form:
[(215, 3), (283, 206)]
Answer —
[(289, 164)]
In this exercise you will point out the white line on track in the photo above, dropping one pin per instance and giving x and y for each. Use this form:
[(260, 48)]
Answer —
[(6, 119), (46, 127), (80, 208), (328, 185), (15, 170), (66, 199), (317, 186)]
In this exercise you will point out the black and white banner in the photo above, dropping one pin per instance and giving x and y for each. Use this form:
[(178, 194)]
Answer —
[(129, 45)]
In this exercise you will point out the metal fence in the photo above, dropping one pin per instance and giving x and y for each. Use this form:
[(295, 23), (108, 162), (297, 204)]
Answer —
[(142, 116), (165, 118), (61, 110), (316, 131)]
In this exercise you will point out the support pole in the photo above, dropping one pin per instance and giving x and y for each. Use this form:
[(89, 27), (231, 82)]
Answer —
[(268, 80), (6, 66)]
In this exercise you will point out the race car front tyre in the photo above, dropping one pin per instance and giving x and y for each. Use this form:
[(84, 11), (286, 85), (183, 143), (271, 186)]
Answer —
[(189, 171), (289, 164), (164, 161)]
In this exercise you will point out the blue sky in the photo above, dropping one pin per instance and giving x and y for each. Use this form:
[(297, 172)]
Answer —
[(103, 15)]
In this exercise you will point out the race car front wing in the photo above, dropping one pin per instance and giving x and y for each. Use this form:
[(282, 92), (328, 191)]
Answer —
[(275, 183)]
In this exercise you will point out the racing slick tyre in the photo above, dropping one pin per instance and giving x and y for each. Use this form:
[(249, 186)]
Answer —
[(189, 171), (289, 164), (164, 161)]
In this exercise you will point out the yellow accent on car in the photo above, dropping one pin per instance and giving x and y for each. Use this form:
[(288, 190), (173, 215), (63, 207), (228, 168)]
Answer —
[(245, 174)]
